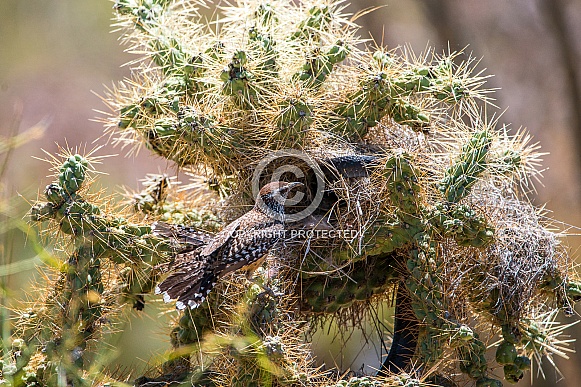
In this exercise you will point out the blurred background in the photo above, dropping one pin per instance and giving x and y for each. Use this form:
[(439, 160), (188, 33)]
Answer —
[(57, 56)]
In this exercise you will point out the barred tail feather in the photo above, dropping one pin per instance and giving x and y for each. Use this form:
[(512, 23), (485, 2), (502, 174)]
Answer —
[(182, 234), (189, 286), (195, 294), (174, 285), (185, 276)]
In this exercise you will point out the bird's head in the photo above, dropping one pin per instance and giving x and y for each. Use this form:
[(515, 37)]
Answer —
[(272, 196)]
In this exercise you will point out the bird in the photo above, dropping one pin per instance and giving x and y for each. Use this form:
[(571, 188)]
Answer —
[(243, 244)]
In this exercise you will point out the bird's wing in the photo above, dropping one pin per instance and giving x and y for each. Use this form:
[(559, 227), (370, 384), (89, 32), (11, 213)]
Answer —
[(221, 238), (249, 250)]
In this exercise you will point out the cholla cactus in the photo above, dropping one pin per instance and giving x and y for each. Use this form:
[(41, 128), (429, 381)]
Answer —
[(410, 194)]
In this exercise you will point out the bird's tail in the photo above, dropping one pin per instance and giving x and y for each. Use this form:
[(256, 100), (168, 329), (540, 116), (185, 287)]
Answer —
[(189, 284), (190, 236)]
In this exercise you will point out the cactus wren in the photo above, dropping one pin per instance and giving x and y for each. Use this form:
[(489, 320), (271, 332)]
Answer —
[(242, 244)]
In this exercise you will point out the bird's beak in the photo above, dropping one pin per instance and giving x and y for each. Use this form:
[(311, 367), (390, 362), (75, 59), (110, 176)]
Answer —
[(293, 185)]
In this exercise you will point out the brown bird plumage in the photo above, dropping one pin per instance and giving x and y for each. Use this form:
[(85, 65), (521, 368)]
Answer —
[(242, 243)]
